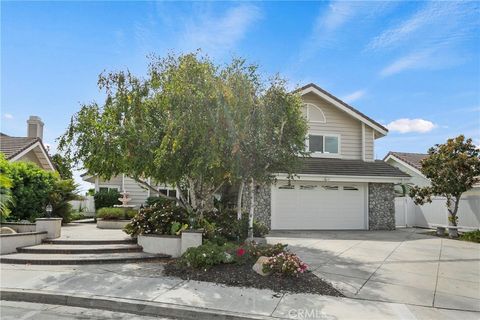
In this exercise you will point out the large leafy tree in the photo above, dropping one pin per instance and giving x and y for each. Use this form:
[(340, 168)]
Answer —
[(190, 123), (453, 168), (63, 166)]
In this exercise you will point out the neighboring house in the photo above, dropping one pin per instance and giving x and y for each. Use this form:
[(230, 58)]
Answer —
[(411, 163), (137, 193), (410, 214), (29, 148), (340, 187)]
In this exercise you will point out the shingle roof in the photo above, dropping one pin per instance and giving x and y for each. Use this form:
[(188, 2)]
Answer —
[(342, 103), (11, 146), (341, 167), (413, 159)]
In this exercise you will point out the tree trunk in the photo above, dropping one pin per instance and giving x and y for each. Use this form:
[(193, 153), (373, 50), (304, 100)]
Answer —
[(252, 210), (239, 199)]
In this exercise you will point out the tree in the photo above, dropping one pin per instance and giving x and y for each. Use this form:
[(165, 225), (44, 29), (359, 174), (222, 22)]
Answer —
[(6, 183), (63, 166), (453, 168), (190, 123)]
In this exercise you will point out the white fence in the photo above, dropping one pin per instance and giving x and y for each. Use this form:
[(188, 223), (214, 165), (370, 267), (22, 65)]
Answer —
[(407, 213), (87, 206)]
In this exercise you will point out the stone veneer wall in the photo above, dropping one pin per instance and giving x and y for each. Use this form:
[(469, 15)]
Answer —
[(262, 203), (381, 206)]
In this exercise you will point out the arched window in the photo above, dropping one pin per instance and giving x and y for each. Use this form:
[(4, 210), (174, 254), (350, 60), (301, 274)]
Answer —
[(313, 113)]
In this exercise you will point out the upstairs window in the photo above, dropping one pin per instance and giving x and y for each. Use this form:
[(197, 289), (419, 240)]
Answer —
[(323, 144), (313, 113)]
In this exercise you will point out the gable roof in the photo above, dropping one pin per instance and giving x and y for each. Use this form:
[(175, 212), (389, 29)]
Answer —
[(15, 147), (312, 87), (343, 167), (413, 159), (12, 146)]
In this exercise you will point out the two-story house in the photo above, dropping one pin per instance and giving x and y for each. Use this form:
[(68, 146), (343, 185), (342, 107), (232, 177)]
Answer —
[(341, 186)]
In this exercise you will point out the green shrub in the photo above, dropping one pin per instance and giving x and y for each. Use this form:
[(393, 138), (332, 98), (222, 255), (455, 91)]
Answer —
[(116, 213), (152, 201), (106, 198), (223, 224), (473, 236), (74, 215), (259, 229), (28, 189), (207, 255), (157, 219), (267, 250)]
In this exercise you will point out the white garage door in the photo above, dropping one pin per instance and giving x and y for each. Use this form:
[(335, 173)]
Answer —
[(318, 206)]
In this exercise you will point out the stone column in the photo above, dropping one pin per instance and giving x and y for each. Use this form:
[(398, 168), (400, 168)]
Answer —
[(381, 206), (53, 226)]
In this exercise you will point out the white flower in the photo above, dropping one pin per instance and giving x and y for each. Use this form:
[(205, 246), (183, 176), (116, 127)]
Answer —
[(204, 255)]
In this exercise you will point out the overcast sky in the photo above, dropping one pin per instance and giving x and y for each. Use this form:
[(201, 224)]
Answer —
[(412, 66)]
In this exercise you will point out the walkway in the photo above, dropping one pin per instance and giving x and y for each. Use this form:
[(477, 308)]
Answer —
[(141, 288)]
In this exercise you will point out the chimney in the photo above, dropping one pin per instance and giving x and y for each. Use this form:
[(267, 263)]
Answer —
[(35, 127)]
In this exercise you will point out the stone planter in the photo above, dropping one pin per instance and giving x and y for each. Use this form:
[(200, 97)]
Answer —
[(111, 224), (20, 227), (191, 239), (53, 226), (164, 244), (174, 246)]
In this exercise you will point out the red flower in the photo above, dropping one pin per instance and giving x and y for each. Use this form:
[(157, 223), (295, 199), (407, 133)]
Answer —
[(241, 252)]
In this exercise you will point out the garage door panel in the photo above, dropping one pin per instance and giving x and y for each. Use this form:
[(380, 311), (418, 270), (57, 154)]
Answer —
[(319, 207)]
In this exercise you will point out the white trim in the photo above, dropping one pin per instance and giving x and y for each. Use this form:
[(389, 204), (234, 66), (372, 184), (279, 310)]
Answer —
[(394, 158), (33, 146), (343, 108), (363, 141), (307, 105), (337, 178), (323, 154)]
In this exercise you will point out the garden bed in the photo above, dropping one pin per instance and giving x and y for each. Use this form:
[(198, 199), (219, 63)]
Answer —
[(243, 276), (472, 236)]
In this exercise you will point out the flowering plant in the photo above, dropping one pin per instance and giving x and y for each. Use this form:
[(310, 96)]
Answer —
[(285, 263), (241, 252)]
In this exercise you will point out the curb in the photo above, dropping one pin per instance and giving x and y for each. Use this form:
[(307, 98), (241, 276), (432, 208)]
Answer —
[(138, 307)]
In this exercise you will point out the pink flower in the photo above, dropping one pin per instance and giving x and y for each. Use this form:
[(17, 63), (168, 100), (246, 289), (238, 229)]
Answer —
[(240, 252)]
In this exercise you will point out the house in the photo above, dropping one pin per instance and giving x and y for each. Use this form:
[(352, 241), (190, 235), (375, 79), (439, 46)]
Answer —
[(136, 192), (434, 213), (341, 186), (29, 148), (411, 163)]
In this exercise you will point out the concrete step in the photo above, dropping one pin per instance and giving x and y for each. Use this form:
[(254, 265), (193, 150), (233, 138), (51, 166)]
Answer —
[(73, 259), (89, 242), (80, 248)]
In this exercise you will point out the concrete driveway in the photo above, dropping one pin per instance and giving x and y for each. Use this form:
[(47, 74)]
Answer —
[(402, 266)]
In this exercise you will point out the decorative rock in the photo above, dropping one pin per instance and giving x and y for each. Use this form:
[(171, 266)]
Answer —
[(258, 266), (381, 206), (7, 230)]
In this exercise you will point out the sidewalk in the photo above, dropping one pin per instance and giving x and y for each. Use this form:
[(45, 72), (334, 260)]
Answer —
[(141, 289)]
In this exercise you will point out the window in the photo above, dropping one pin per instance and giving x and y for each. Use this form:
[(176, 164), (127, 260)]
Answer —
[(313, 113), (323, 144), (330, 187), (308, 187), (168, 192), (287, 186), (106, 189), (350, 188)]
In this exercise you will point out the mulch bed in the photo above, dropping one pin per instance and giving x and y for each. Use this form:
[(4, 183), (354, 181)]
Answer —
[(243, 276)]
